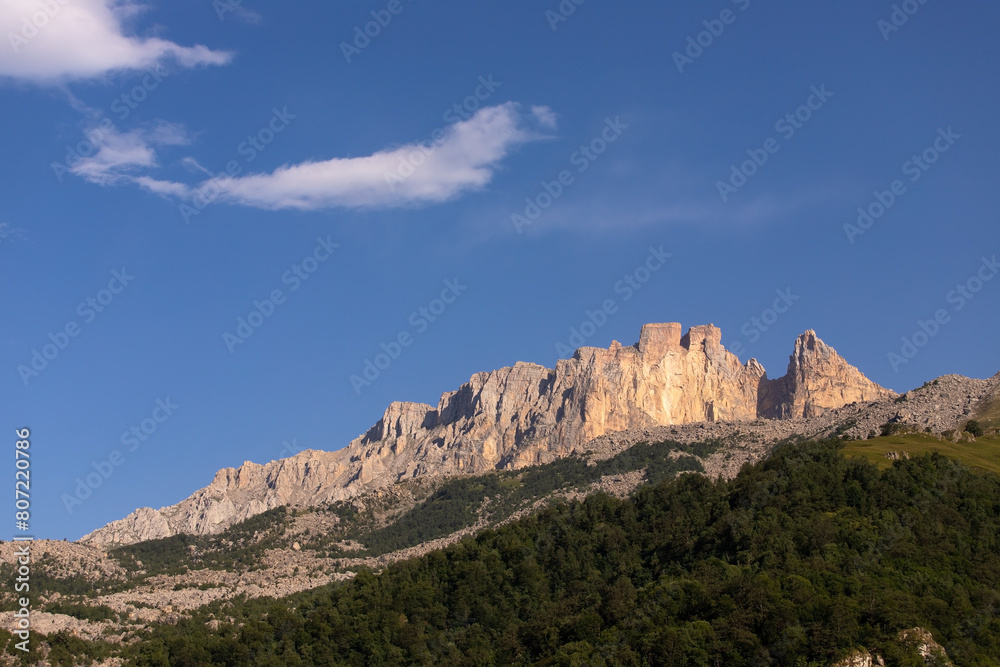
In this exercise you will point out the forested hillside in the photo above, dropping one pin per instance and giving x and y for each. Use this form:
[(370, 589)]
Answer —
[(797, 561)]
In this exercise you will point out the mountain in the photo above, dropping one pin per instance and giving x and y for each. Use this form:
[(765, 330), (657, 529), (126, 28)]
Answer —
[(92, 592), (523, 415), (807, 557)]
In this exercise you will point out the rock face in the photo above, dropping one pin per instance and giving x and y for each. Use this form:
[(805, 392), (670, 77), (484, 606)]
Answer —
[(922, 640), (523, 415), (818, 379), (932, 653), (861, 659)]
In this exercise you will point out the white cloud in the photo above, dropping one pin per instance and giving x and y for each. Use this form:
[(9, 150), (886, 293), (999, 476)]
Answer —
[(546, 116), (53, 41), (118, 155), (165, 188), (465, 157)]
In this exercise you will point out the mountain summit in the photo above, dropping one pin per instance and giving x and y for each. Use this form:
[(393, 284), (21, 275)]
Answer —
[(523, 415)]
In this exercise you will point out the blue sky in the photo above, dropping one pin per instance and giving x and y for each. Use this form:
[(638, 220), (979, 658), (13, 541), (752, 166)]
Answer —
[(227, 151)]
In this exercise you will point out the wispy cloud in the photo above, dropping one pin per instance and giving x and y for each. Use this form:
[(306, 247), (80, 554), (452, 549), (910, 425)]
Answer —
[(658, 198), (232, 8), (120, 155), (10, 233), (62, 40), (466, 158)]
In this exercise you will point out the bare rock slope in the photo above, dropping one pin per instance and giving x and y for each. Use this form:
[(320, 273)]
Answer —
[(524, 415)]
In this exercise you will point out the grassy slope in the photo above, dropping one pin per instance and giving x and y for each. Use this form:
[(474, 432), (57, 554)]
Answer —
[(988, 414), (984, 453)]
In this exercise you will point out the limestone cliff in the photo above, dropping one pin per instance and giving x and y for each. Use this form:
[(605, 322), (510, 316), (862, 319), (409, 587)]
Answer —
[(523, 415), (818, 379)]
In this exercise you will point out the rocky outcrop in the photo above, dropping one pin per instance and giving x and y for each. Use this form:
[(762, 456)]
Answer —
[(861, 659), (922, 641), (524, 415), (818, 380), (928, 649), (941, 407)]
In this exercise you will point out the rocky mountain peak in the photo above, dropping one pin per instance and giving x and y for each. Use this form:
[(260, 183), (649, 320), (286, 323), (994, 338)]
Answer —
[(521, 415), (817, 380)]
